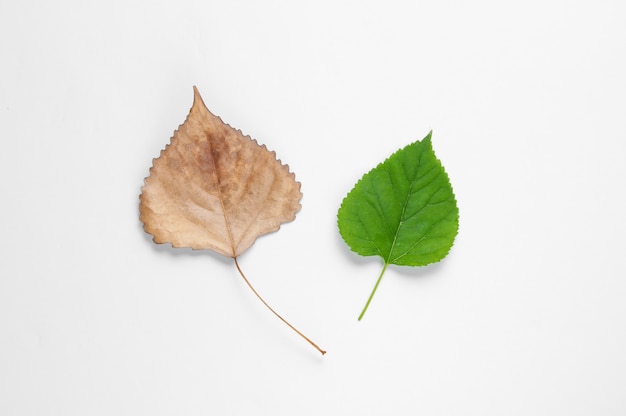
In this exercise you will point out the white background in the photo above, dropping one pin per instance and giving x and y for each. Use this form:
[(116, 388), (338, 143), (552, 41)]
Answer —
[(527, 103)]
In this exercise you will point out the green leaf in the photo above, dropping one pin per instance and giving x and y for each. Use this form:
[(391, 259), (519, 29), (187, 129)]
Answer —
[(403, 210)]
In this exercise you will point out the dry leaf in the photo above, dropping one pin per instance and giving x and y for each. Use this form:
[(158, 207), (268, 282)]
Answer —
[(214, 188)]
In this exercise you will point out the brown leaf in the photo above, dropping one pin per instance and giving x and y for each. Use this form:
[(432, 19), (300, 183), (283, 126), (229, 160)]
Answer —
[(214, 188)]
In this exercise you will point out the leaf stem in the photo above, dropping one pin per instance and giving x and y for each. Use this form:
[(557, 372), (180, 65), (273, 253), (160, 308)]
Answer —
[(273, 311), (373, 291)]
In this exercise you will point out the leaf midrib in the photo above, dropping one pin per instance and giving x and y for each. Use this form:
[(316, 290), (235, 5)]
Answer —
[(409, 193), (221, 199)]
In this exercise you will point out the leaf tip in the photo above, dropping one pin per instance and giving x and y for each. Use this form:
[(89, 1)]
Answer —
[(428, 138), (197, 98)]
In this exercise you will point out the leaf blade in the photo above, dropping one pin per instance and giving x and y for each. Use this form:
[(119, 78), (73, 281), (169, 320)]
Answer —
[(399, 205), (214, 188)]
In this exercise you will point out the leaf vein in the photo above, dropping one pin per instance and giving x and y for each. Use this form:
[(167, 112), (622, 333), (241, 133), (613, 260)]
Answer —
[(424, 236)]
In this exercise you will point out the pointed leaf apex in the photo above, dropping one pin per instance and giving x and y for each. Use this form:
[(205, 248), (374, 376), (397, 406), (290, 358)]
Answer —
[(197, 98)]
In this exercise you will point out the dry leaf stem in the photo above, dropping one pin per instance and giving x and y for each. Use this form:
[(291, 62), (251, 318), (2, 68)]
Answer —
[(273, 311)]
